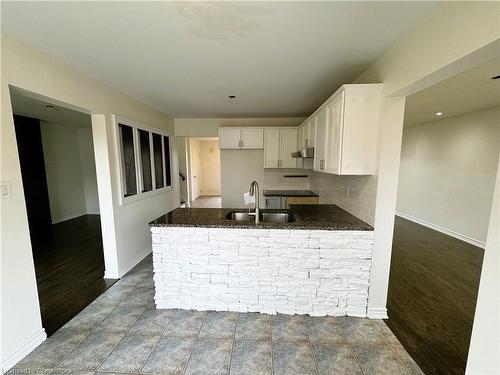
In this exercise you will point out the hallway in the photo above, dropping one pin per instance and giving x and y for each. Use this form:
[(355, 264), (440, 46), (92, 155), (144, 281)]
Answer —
[(433, 288)]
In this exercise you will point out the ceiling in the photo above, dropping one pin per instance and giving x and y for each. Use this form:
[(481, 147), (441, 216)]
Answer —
[(47, 111), (186, 58), (472, 90)]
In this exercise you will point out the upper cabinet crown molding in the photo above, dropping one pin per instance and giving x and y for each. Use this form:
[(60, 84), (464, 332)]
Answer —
[(241, 138), (345, 130)]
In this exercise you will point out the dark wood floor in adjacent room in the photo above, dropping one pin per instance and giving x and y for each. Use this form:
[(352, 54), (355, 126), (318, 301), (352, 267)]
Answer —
[(69, 267), (433, 288)]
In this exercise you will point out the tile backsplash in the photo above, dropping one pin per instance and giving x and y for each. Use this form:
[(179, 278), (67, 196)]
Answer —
[(274, 179), (355, 194)]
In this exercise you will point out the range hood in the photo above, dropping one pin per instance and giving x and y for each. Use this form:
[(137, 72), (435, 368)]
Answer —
[(305, 153)]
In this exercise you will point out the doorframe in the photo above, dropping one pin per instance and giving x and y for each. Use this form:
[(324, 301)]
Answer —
[(102, 152)]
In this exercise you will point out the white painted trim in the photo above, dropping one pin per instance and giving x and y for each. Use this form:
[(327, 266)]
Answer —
[(68, 217), (446, 231), (24, 350), (377, 313), (134, 262)]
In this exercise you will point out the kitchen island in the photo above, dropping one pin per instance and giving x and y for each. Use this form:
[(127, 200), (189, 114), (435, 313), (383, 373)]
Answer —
[(316, 261)]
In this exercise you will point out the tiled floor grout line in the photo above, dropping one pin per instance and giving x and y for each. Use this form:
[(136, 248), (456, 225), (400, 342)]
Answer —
[(232, 348), (271, 343), (352, 348), (156, 342), (311, 348), (195, 342), (93, 330)]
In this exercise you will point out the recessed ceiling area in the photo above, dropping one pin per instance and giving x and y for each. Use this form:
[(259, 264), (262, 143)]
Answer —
[(472, 90), (47, 111), (186, 58)]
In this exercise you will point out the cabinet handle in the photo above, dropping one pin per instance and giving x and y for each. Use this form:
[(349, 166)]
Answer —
[(307, 142), (240, 143)]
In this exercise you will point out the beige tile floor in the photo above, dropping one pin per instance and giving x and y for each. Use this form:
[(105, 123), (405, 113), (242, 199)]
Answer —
[(206, 201), (122, 333)]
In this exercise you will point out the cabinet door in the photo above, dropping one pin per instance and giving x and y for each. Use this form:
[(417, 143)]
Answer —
[(334, 134), (303, 135), (252, 138), (320, 148), (229, 138), (288, 143), (271, 148), (312, 133)]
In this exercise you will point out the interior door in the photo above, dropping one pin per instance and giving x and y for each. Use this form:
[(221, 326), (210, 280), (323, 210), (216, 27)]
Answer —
[(334, 134), (272, 147), (288, 144), (195, 169), (320, 147)]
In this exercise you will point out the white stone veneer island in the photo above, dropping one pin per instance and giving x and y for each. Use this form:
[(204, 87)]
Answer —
[(289, 271)]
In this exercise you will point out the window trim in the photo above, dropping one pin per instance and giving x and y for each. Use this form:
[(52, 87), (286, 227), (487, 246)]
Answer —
[(138, 164)]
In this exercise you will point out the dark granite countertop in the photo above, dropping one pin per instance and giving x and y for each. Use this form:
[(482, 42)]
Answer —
[(314, 217), (290, 193)]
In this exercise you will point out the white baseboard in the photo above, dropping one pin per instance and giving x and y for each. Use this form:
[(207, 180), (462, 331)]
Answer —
[(24, 350), (377, 313), (134, 262), (446, 231)]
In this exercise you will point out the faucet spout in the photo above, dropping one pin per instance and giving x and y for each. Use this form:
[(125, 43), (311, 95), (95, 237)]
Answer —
[(254, 191)]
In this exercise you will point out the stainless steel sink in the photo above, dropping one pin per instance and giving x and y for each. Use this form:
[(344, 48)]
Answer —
[(265, 217)]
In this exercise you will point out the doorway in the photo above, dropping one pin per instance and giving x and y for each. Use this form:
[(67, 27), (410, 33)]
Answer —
[(204, 172), (449, 161), (56, 154)]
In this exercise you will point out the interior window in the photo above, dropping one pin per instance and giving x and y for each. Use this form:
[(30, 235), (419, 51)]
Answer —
[(158, 160), (145, 152), (128, 160), (168, 176)]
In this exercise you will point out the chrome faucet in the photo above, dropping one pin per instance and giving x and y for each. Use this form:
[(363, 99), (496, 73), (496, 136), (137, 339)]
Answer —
[(254, 192)]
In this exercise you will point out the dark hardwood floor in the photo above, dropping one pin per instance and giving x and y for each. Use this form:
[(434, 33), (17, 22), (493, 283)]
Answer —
[(433, 288), (69, 267)]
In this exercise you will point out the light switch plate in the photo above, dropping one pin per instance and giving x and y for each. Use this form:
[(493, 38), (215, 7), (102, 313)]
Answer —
[(5, 190)]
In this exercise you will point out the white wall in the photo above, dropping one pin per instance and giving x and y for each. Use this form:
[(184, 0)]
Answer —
[(210, 167), (447, 173), (87, 162), (181, 145), (484, 352), (70, 169), (63, 171), (238, 169), (125, 228)]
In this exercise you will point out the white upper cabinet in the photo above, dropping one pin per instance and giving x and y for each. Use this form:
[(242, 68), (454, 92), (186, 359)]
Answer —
[(347, 131), (320, 147), (288, 144), (252, 138), (229, 138), (307, 133), (334, 117), (271, 147), (241, 138), (279, 143)]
